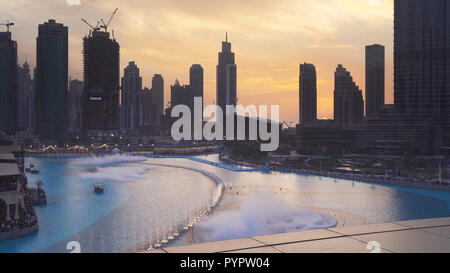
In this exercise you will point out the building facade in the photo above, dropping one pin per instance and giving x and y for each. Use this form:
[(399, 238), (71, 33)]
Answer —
[(52, 80), (8, 83), (196, 79), (226, 81), (101, 83), (25, 100), (348, 99), (421, 59), (76, 106), (131, 107), (375, 78), (307, 93), (158, 92)]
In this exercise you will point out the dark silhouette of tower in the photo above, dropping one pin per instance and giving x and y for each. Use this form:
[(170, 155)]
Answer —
[(226, 77), (196, 79), (375, 79), (348, 99), (196, 82), (52, 80), (307, 93), (132, 110), (25, 99), (158, 93), (8, 83), (76, 106), (421, 56), (101, 83)]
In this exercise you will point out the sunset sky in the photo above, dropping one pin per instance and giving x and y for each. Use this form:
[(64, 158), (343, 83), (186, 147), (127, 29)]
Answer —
[(270, 38)]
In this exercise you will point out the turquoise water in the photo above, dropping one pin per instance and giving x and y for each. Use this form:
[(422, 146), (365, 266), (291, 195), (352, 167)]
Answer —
[(71, 206), (143, 200)]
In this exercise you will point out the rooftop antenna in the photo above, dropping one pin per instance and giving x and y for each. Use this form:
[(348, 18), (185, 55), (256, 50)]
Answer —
[(226, 36), (8, 24)]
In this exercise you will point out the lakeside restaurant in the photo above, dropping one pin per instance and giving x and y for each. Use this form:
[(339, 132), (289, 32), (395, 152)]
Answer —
[(10, 194)]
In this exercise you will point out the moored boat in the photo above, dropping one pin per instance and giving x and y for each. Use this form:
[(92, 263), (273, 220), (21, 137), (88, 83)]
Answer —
[(99, 188)]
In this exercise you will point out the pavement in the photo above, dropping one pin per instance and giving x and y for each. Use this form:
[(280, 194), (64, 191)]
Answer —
[(416, 236)]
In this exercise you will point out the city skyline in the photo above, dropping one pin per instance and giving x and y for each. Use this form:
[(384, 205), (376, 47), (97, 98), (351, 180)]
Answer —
[(167, 38)]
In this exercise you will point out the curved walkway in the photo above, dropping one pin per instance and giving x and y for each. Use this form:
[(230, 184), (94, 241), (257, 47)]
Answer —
[(217, 197)]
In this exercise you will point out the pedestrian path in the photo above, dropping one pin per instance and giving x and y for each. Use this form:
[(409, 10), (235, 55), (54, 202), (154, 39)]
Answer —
[(416, 236)]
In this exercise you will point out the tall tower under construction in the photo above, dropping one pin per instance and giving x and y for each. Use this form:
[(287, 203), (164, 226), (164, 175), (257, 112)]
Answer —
[(101, 83)]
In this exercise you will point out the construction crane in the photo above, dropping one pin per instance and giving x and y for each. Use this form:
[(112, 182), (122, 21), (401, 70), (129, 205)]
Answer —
[(8, 24), (96, 28), (288, 125), (105, 26)]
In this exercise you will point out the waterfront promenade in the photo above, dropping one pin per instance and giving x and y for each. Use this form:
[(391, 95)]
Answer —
[(416, 236)]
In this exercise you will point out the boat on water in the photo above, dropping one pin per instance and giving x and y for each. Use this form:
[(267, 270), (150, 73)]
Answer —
[(99, 188), (27, 169), (34, 170)]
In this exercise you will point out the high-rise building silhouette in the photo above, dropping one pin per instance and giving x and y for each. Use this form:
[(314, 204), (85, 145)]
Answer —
[(132, 108), (101, 82), (76, 106), (8, 83), (52, 80), (375, 78), (25, 98), (421, 58), (348, 99), (196, 82), (148, 110), (226, 78), (196, 79), (307, 93), (181, 95), (158, 93)]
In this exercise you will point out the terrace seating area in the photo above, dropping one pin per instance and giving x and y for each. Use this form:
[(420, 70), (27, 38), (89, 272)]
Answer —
[(16, 210)]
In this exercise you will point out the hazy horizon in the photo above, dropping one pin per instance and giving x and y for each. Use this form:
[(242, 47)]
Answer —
[(270, 39)]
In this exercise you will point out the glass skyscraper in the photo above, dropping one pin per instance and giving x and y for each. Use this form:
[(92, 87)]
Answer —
[(8, 82), (375, 79), (422, 56), (307, 93), (226, 77), (52, 80)]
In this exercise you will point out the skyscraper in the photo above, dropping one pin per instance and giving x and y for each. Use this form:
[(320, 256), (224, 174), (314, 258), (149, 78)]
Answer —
[(196, 82), (375, 78), (148, 110), (25, 101), (181, 95), (196, 79), (226, 77), (76, 106), (348, 99), (158, 96), (52, 80), (101, 83), (8, 82), (307, 93), (132, 107), (421, 58)]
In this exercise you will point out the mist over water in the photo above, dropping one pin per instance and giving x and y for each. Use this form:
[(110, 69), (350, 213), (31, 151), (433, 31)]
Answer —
[(261, 215), (107, 160), (117, 173)]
